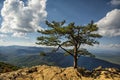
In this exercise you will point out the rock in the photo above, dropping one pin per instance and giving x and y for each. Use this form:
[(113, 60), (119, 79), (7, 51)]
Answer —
[(32, 70), (113, 69), (98, 68), (56, 73)]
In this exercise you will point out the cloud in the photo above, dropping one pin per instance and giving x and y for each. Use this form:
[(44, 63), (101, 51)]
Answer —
[(115, 2), (110, 24), (3, 36), (9, 43), (114, 46), (110, 47), (20, 18), (20, 35), (1, 41)]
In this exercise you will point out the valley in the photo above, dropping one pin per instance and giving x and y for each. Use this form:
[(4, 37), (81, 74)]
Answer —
[(30, 56)]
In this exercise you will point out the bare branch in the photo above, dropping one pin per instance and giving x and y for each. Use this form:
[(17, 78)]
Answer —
[(66, 50)]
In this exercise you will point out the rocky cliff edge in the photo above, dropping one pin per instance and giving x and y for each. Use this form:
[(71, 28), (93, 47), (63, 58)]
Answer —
[(56, 73)]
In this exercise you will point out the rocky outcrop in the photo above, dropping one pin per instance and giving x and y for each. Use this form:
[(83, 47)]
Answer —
[(56, 73), (106, 73)]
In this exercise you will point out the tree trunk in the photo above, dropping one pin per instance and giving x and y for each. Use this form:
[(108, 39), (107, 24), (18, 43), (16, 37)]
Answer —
[(75, 57), (75, 62)]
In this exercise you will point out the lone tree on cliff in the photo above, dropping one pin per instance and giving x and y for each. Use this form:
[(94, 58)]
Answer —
[(63, 36)]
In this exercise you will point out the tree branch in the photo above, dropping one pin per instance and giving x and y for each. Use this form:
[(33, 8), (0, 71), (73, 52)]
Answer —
[(54, 50), (66, 50), (78, 45)]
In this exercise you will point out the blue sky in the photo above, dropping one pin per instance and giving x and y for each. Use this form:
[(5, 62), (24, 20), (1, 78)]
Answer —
[(20, 19)]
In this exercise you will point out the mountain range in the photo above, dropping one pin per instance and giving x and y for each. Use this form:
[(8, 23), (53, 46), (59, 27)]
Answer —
[(23, 56)]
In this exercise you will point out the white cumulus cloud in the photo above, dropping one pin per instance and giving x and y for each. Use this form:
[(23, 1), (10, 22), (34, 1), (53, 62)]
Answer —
[(110, 24), (115, 2), (20, 18)]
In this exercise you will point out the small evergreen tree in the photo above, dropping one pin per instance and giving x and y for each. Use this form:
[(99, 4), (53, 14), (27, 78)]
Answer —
[(63, 36)]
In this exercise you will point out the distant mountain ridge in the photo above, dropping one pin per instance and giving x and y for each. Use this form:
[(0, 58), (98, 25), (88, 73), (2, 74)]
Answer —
[(30, 56)]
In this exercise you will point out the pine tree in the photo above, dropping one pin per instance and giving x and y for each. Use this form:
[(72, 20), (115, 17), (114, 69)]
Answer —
[(63, 36)]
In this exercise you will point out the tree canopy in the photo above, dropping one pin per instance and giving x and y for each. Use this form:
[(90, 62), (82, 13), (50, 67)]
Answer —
[(61, 35)]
